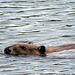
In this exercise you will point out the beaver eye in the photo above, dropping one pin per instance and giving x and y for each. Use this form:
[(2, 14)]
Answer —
[(22, 47)]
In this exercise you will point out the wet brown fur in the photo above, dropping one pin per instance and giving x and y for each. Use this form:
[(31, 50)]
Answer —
[(30, 49)]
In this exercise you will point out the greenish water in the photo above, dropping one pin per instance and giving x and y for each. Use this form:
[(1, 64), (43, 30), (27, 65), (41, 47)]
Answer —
[(45, 22)]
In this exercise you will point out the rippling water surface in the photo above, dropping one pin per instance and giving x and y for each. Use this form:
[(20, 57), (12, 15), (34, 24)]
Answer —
[(45, 22)]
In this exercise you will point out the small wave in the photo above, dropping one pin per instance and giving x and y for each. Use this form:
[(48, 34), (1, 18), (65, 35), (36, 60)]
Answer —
[(66, 54)]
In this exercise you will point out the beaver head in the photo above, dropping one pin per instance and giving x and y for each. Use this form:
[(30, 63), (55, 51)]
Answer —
[(26, 49)]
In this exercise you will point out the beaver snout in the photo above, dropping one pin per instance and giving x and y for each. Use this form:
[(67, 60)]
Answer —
[(7, 51)]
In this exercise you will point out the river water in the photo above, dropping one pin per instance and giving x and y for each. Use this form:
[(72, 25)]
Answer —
[(44, 22)]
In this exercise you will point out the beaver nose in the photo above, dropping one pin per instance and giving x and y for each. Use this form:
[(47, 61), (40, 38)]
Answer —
[(7, 51)]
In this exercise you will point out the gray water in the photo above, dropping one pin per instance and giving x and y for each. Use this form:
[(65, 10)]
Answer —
[(44, 22)]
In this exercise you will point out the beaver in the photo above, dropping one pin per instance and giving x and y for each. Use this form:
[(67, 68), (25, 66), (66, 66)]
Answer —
[(26, 49), (30, 49)]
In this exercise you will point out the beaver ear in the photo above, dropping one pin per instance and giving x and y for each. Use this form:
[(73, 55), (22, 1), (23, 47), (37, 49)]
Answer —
[(30, 42), (42, 49)]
